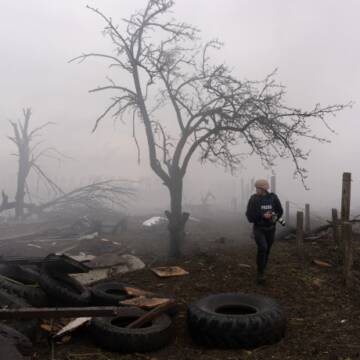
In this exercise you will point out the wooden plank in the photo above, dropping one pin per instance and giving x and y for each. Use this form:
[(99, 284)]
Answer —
[(145, 302), (169, 271), (137, 292), (151, 315), (61, 312), (72, 326)]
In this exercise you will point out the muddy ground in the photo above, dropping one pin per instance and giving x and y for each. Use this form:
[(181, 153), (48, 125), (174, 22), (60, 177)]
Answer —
[(323, 316)]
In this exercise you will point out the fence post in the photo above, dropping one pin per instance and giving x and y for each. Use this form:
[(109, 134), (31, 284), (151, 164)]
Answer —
[(335, 220), (346, 197), (307, 218), (348, 252), (300, 235), (287, 213)]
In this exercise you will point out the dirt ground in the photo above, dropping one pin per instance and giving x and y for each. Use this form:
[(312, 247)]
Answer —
[(323, 316)]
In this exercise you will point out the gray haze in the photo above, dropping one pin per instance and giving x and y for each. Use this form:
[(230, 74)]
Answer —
[(314, 44)]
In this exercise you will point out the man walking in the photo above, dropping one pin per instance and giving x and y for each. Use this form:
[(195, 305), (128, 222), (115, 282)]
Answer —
[(263, 210)]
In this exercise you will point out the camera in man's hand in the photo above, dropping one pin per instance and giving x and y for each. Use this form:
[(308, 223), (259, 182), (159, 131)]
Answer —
[(280, 220)]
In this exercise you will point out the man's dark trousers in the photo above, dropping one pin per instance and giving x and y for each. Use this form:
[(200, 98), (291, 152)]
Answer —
[(264, 238)]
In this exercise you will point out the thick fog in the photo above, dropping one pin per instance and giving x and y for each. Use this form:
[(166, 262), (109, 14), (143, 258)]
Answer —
[(314, 44)]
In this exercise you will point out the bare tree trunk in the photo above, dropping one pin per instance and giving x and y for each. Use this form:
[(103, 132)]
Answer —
[(21, 181), (177, 219)]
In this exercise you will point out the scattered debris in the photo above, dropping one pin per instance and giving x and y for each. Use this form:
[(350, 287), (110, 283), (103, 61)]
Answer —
[(89, 236), (72, 326), (152, 314), (155, 221), (137, 292), (82, 257), (317, 282), (93, 276), (145, 302), (123, 264), (322, 263), (35, 246), (129, 261), (46, 327), (169, 271), (245, 266)]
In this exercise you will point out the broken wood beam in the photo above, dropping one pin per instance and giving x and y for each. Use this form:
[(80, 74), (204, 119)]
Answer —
[(62, 312), (151, 315)]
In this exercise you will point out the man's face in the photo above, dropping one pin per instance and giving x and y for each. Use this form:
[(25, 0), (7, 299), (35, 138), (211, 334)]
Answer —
[(260, 191)]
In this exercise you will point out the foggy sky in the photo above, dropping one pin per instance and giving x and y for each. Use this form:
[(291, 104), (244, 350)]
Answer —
[(314, 45)]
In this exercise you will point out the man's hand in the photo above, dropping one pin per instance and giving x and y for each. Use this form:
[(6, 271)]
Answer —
[(267, 215)]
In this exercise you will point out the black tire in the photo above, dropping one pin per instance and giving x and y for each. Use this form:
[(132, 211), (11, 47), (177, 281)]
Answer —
[(9, 351), (109, 293), (34, 296), (24, 274), (64, 290), (15, 338), (26, 327), (235, 320), (114, 337)]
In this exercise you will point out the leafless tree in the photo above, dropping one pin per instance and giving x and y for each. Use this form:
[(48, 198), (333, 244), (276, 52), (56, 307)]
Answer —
[(29, 151), (213, 110)]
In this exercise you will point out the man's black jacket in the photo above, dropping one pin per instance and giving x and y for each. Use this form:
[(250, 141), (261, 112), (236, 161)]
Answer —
[(260, 204)]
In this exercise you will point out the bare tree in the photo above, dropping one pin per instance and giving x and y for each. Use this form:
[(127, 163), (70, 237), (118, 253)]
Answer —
[(28, 153), (213, 110)]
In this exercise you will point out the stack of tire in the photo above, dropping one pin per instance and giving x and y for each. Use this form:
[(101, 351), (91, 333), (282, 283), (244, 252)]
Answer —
[(19, 288), (13, 344), (112, 333), (108, 332)]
